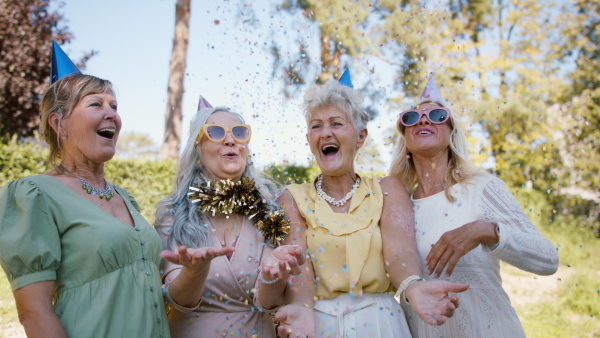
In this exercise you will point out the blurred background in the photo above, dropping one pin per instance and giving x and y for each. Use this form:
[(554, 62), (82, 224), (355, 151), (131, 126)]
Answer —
[(521, 77)]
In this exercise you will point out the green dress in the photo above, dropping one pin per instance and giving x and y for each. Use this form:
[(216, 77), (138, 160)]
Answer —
[(107, 275)]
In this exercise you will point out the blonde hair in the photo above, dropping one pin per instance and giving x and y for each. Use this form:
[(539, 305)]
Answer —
[(332, 93), (61, 98), (460, 168)]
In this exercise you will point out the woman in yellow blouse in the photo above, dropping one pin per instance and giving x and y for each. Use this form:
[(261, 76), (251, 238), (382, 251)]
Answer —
[(359, 234)]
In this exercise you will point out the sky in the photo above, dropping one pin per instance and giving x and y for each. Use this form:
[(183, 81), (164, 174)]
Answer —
[(228, 62)]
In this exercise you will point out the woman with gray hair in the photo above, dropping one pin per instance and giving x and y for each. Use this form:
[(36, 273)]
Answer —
[(359, 233), (466, 221), (222, 223)]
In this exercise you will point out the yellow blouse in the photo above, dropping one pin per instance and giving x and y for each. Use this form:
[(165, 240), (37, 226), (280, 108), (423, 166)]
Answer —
[(346, 248)]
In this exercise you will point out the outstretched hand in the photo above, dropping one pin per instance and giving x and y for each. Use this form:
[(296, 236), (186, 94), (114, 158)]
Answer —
[(295, 321), (283, 262), (430, 300), (195, 258)]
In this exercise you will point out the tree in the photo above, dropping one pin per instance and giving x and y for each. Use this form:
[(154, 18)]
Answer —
[(136, 145), (174, 115), (27, 28)]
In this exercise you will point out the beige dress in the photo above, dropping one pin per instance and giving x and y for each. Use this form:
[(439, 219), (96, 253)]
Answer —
[(227, 308)]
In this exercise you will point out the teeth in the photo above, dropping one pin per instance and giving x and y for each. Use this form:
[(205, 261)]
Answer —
[(424, 132), (329, 146)]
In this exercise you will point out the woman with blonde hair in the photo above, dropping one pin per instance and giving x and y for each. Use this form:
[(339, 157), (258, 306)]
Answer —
[(359, 233), (466, 222)]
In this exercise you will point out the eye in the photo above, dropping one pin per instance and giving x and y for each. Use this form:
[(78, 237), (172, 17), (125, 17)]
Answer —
[(95, 104), (336, 124), (316, 126), (114, 107)]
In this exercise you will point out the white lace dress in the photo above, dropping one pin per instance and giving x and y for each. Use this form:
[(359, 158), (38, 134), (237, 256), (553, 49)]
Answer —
[(485, 309)]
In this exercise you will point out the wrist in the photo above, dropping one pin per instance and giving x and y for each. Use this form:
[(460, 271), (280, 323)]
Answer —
[(406, 283), (492, 235)]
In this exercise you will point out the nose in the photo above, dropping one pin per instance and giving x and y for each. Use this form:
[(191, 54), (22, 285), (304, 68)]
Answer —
[(326, 132), (424, 120), (229, 140)]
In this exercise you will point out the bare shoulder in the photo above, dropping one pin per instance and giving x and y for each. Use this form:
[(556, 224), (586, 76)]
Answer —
[(287, 203)]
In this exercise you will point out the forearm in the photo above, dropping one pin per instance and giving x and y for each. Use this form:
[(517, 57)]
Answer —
[(187, 287), (42, 324), (401, 263), (272, 295), (301, 291)]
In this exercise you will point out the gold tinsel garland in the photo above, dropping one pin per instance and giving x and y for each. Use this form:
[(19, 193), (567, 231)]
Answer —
[(224, 197)]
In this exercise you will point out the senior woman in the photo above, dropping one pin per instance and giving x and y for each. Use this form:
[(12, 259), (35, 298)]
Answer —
[(81, 262), (359, 234), (221, 237), (466, 222)]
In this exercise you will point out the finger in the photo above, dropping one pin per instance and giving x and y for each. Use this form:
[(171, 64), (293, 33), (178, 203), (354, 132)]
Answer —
[(170, 256), (441, 319), (297, 253), (433, 257), (452, 263), (455, 301), (283, 270), (442, 263), (295, 267), (280, 316), (456, 287)]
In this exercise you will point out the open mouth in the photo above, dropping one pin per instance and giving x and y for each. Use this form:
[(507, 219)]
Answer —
[(424, 132), (108, 133), (231, 155), (330, 149)]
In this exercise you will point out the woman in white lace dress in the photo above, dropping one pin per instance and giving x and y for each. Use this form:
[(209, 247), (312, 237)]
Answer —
[(466, 221)]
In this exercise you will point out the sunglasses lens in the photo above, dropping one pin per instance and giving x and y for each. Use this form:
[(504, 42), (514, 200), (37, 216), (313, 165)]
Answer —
[(410, 118), (240, 133), (216, 133), (438, 116)]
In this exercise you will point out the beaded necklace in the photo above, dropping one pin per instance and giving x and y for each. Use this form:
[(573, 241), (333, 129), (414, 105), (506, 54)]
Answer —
[(106, 194)]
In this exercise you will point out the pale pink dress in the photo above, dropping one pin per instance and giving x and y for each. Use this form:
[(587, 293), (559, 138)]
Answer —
[(227, 308)]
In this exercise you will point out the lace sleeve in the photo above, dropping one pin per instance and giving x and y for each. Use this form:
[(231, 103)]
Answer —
[(521, 244)]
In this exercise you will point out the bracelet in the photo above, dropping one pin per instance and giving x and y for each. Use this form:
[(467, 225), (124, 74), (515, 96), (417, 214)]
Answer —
[(264, 281), (407, 282)]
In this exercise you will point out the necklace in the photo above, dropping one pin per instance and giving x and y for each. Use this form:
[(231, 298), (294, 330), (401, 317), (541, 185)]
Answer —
[(106, 194), (330, 199)]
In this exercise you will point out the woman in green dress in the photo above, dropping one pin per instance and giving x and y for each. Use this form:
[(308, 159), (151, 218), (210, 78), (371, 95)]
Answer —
[(81, 262)]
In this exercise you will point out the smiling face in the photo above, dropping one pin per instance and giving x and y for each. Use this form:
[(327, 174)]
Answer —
[(333, 140), (91, 130), (227, 158), (427, 139)]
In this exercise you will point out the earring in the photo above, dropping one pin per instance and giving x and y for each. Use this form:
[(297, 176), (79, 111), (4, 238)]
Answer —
[(64, 137)]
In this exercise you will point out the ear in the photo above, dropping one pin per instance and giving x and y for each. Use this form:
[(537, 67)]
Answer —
[(54, 122), (362, 137)]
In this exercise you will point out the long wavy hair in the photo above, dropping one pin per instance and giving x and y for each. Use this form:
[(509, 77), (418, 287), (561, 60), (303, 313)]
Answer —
[(460, 168), (190, 226)]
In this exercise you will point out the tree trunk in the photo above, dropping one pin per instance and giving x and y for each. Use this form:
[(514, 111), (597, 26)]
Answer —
[(330, 59), (172, 139)]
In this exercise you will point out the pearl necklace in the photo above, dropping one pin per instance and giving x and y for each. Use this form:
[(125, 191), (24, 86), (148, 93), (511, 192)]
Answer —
[(330, 199)]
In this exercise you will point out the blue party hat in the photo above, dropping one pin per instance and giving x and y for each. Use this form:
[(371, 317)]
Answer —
[(61, 64), (345, 79), (203, 104)]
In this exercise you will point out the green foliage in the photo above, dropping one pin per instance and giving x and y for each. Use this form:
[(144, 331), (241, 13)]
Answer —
[(285, 174), (19, 159)]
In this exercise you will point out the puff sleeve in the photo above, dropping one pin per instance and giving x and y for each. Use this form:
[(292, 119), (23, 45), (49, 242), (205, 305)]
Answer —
[(30, 249)]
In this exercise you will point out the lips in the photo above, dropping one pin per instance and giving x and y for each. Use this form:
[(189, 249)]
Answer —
[(424, 131), (330, 149), (231, 155), (108, 133)]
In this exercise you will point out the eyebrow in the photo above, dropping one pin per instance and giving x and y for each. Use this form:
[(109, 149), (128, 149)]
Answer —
[(331, 118)]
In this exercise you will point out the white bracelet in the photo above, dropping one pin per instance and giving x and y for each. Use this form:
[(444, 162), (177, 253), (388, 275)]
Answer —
[(264, 281), (406, 283)]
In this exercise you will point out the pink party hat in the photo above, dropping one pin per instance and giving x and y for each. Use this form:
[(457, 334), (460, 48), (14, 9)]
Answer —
[(431, 91), (203, 104)]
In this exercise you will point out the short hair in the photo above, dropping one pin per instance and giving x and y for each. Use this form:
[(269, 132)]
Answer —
[(332, 93), (61, 98), (188, 223), (460, 168)]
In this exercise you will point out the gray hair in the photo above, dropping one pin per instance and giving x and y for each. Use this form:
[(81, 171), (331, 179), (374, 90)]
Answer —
[(189, 224), (332, 93)]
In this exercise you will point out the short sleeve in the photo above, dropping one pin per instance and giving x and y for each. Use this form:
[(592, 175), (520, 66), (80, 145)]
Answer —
[(30, 249)]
